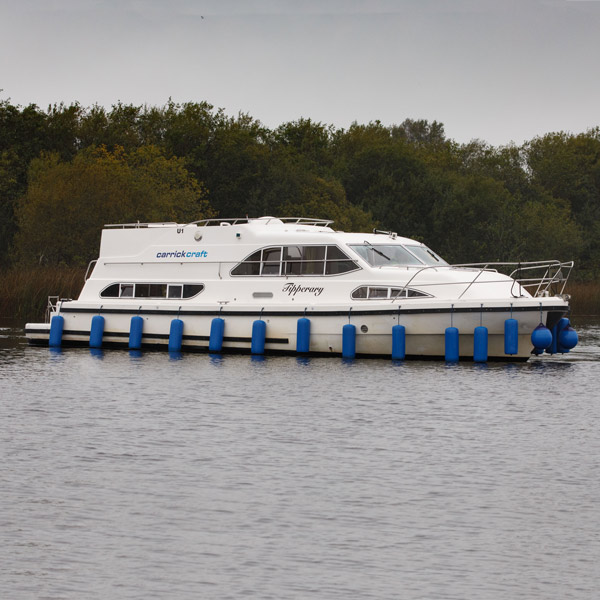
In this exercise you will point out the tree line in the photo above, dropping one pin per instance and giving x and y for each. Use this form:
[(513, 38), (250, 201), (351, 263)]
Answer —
[(68, 170)]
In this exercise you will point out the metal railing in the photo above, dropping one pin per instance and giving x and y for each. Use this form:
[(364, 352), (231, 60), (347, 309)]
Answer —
[(551, 280), (218, 222), (51, 307), (91, 264), (138, 225), (266, 220)]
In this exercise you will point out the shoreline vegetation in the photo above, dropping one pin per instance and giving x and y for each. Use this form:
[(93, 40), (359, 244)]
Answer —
[(67, 170), (26, 291)]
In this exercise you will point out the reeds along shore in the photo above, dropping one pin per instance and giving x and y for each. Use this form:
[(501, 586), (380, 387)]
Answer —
[(25, 292), (585, 298)]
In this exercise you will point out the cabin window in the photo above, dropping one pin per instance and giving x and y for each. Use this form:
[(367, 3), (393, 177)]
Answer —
[(304, 260), (152, 290), (271, 261), (386, 255), (429, 257), (375, 292), (190, 290), (112, 291), (142, 290), (251, 266), (338, 262), (158, 290), (383, 293), (175, 291), (296, 260)]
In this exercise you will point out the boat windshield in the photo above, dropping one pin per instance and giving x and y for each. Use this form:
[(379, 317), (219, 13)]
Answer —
[(429, 257), (386, 255)]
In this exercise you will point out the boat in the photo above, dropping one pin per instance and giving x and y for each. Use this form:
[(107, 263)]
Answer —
[(296, 285)]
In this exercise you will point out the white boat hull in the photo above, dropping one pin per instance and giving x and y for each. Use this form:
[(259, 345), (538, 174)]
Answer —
[(425, 328)]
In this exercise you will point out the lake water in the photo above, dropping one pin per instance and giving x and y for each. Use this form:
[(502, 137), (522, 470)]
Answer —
[(151, 476)]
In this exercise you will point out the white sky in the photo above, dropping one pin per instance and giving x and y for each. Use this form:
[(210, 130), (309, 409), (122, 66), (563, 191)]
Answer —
[(498, 70)]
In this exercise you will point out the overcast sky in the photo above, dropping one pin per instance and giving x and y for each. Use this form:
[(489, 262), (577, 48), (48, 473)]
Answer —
[(497, 70)]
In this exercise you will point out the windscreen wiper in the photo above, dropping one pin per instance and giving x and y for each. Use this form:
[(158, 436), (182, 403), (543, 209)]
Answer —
[(378, 251)]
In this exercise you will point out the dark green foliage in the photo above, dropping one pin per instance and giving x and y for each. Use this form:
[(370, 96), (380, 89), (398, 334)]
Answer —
[(67, 203), (567, 168), (471, 202)]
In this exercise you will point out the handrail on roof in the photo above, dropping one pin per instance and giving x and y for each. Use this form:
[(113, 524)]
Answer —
[(137, 225), (216, 222), (291, 220)]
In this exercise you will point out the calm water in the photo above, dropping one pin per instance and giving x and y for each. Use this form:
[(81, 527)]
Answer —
[(149, 476)]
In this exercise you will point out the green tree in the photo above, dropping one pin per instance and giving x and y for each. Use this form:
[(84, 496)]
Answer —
[(23, 135), (567, 168), (308, 142), (63, 129), (420, 133), (295, 192), (385, 175), (238, 160), (67, 203), (473, 220)]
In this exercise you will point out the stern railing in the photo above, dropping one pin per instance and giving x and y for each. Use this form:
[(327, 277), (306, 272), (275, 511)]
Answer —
[(51, 307)]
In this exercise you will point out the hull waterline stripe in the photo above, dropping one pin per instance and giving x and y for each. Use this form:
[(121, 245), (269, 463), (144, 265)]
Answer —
[(313, 313)]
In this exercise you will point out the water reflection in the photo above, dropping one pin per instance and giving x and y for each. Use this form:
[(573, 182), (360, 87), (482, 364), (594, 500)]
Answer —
[(342, 480), (480, 366), (216, 360), (303, 361)]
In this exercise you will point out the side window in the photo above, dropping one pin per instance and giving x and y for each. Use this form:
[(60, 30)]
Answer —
[(251, 266), (378, 292), (112, 291), (152, 290), (191, 290), (158, 290), (415, 294), (381, 293), (338, 262), (271, 264), (313, 262), (292, 257), (126, 290), (174, 290), (142, 290), (296, 260)]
